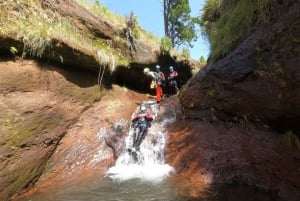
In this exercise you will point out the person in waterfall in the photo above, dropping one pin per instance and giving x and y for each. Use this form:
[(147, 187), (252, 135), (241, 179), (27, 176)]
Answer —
[(143, 112), (172, 79), (156, 82), (141, 121)]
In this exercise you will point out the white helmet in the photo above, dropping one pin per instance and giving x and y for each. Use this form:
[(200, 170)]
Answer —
[(146, 70), (143, 108)]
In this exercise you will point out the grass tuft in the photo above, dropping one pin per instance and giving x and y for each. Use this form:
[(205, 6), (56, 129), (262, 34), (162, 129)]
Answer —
[(291, 140), (226, 21), (37, 26)]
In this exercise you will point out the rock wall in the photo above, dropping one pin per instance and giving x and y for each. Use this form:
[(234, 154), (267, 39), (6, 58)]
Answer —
[(258, 81), (208, 158), (47, 112)]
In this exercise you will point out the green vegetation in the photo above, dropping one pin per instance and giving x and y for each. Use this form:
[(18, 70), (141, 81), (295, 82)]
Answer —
[(33, 125), (202, 60), (13, 50), (180, 27), (185, 52), (88, 95), (166, 44), (42, 30), (121, 21), (20, 176), (226, 21), (291, 140), (103, 12)]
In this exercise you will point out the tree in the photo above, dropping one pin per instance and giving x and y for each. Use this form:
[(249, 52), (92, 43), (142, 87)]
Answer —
[(202, 60), (179, 26)]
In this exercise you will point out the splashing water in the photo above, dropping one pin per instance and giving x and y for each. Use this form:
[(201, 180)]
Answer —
[(149, 162)]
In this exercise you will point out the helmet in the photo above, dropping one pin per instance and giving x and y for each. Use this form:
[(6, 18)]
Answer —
[(143, 108), (146, 70), (157, 67), (171, 68)]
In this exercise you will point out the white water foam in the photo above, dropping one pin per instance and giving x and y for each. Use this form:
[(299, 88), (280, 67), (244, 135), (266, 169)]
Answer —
[(153, 173), (150, 165)]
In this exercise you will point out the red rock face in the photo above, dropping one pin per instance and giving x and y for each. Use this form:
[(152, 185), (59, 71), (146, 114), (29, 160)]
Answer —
[(50, 122), (259, 79)]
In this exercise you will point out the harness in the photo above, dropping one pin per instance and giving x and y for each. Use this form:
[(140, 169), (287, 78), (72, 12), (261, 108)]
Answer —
[(158, 78)]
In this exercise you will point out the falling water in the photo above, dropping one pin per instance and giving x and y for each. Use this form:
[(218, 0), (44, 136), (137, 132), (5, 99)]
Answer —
[(150, 164)]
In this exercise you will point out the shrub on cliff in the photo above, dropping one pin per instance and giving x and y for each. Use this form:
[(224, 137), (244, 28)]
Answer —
[(226, 21)]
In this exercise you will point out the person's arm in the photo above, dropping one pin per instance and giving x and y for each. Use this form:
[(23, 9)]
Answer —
[(175, 74), (163, 75), (152, 75), (136, 117), (149, 117)]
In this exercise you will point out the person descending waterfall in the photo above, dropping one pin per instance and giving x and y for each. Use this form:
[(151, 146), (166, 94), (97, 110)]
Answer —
[(141, 121), (157, 81), (149, 136)]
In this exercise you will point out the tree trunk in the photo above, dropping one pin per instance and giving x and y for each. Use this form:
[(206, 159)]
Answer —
[(166, 10)]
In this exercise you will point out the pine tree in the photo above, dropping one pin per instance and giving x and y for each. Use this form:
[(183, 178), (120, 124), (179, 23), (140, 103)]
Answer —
[(179, 26)]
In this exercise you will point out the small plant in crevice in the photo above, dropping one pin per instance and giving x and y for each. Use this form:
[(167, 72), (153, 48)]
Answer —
[(291, 140), (185, 52), (166, 44), (105, 61), (13, 50)]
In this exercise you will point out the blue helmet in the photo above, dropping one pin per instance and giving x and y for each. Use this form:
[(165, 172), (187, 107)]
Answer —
[(171, 68), (157, 67)]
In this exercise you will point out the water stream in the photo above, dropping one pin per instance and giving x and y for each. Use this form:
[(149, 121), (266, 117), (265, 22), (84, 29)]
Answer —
[(128, 179), (147, 164), (144, 179)]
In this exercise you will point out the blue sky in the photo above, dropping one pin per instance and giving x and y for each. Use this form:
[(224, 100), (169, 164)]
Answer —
[(150, 17)]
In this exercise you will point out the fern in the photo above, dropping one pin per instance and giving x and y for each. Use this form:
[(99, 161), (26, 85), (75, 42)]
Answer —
[(291, 140)]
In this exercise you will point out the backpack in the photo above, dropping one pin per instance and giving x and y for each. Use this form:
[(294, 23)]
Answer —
[(158, 78)]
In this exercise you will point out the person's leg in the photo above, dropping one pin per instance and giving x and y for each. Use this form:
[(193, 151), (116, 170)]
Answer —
[(158, 93), (175, 85), (172, 87), (161, 91)]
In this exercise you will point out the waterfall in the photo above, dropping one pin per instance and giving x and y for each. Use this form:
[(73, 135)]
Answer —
[(148, 163)]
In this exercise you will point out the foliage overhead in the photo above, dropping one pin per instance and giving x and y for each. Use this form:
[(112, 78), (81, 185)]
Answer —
[(179, 26), (35, 24)]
